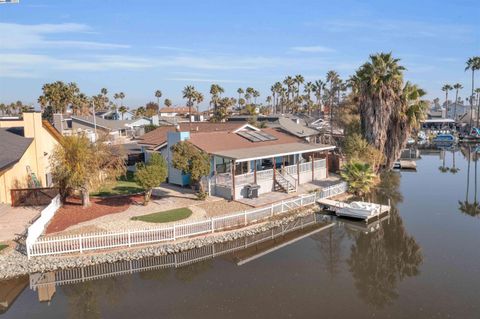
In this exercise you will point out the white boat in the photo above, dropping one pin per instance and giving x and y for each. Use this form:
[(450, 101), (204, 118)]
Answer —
[(361, 210)]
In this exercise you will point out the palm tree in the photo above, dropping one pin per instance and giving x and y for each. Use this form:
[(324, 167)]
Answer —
[(240, 92), (122, 96), (167, 103), (457, 87), (276, 92), (289, 83), (198, 99), (122, 110), (446, 88), (477, 91), (215, 90), (158, 95), (443, 168), (299, 79), (3, 108), (255, 95), (389, 109), (319, 86), (473, 64), (359, 176), (189, 93), (333, 78), (454, 169), (116, 96)]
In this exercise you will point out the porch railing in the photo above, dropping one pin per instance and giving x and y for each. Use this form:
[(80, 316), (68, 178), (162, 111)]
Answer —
[(249, 178)]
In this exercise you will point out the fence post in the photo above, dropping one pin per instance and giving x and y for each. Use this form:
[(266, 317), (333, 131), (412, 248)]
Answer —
[(80, 242), (174, 235), (212, 224), (129, 240), (245, 217)]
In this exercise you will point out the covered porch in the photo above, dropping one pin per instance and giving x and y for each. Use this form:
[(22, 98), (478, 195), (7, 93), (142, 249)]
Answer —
[(281, 168)]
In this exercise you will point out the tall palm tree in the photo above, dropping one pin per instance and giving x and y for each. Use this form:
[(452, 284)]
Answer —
[(276, 92), (198, 99), (189, 94), (319, 88), (457, 87), (289, 83), (216, 91), (240, 92), (446, 88), (158, 95), (122, 96), (255, 95), (122, 110), (454, 169), (333, 78), (477, 91), (473, 64), (299, 80), (116, 96)]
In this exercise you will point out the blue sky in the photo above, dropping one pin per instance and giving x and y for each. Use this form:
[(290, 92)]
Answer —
[(140, 46)]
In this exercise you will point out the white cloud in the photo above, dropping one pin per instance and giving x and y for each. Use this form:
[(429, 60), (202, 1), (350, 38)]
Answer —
[(27, 36), (312, 49)]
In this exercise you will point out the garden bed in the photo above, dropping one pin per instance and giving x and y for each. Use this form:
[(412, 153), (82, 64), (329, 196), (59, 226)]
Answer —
[(72, 212)]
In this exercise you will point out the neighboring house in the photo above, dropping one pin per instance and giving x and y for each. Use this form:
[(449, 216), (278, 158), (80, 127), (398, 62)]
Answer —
[(115, 115), (25, 144), (244, 154), (175, 111), (117, 130), (296, 128)]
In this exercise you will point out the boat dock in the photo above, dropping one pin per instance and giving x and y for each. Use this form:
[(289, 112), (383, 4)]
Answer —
[(339, 209)]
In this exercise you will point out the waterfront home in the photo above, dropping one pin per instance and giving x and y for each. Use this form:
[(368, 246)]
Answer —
[(26, 144), (115, 115), (242, 154)]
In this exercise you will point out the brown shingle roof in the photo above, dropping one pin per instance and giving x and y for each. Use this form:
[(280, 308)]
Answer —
[(211, 142), (158, 136)]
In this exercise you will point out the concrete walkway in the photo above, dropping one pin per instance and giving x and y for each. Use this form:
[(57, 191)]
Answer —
[(14, 220)]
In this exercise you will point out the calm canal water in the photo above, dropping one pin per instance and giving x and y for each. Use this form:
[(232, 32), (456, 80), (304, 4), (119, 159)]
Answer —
[(421, 262)]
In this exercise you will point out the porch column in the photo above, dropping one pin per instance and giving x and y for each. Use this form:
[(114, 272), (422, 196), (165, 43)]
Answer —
[(214, 166), (313, 166), (298, 168), (255, 171), (274, 169), (283, 164), (326, 164), (233, 179)]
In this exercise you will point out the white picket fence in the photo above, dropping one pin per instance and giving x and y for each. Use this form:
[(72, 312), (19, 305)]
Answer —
[(37, 228), (94, 241), (100, 271)]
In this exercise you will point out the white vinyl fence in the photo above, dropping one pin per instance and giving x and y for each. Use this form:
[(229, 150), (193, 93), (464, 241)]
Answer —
[(103, 240), (37, 228), (100, 271)]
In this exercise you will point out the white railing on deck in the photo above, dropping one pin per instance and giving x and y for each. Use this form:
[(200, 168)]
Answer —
[(87, 242)]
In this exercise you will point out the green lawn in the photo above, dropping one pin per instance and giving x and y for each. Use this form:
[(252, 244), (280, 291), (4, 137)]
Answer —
[(166, 216), (124, 186), (3, 246)]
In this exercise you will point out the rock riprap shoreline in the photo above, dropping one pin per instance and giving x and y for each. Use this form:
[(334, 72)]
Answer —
[(14, 263)]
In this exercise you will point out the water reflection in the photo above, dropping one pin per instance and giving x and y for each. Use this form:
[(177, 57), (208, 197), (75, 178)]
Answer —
[(87, 284), (467, 206), (380, 260)]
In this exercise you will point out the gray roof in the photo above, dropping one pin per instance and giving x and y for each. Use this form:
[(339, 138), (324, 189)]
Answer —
[(13, 146), (293, 128), (107, 124)]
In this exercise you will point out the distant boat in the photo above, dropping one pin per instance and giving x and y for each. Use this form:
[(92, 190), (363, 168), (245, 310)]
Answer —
[(474, 135), (444, 138)]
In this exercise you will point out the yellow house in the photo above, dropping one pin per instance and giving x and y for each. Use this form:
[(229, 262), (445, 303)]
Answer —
[(25, 146)]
